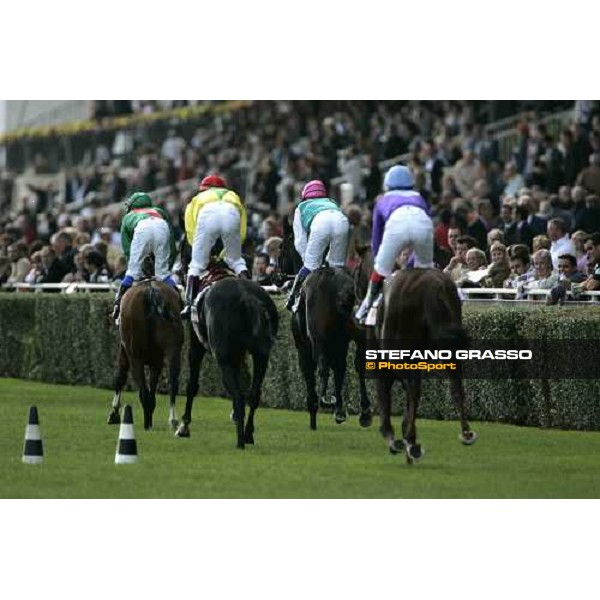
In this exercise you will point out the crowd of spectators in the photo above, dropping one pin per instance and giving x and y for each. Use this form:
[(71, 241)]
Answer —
[(513, 221)]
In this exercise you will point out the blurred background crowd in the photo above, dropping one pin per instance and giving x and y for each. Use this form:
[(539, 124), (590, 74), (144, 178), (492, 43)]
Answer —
[(514, 186)]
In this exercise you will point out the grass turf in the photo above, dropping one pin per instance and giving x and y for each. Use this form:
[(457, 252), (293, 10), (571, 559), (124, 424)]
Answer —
[(288, 460)]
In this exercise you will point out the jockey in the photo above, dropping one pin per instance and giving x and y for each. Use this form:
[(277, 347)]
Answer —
[(145, 229), (401, 218), (318, 223), (216, 212)]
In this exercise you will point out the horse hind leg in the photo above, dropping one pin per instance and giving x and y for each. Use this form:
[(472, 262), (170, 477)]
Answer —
[(195, 355), (308, 367), (137, 370), (155, 372), (114, 418), (324, 376), (457, 392), (174, 370), (365, 418), (340, 414), (414, 452), (231, 380), (260, 363), (383, 387)]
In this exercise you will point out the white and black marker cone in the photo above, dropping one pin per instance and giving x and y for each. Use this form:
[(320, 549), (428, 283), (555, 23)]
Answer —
[(127, 446), (33, 452)]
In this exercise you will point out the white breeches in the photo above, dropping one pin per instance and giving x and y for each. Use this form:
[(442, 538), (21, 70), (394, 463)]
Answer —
[(328, 228), (217, 220), (150, 236), (407, 226)]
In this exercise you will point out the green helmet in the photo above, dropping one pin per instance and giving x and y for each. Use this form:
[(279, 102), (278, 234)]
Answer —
[(138, 200)]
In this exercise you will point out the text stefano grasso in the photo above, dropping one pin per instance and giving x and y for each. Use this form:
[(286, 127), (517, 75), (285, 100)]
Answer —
[(448, 354)]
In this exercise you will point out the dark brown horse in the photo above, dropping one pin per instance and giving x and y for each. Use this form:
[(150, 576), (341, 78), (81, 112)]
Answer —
[(151, 332), (236, 317), (323, 327), (419, 307)]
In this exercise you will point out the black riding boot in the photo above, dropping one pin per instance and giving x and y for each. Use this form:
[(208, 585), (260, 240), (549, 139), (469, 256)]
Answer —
[(117, 306), (294, 291), (191, 289), (372, 293)]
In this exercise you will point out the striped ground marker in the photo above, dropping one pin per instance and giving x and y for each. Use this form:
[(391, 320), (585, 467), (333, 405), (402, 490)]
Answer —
[(33, 452), (127, 446)]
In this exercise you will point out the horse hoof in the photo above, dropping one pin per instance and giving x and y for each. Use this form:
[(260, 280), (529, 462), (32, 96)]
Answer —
[(468, 438), (365, 419), (396, 447), (182, 431), (114, 418), (414, 453), (248, 438), (340, 417)]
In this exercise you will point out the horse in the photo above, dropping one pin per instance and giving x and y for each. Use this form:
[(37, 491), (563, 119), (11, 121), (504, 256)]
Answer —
[(151, 331), (419, 306), (323, 327), (235, 317)]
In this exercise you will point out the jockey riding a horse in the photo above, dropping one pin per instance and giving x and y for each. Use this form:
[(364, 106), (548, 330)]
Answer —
[(145, 229), (216, 212), (401, 218), (318, 223)]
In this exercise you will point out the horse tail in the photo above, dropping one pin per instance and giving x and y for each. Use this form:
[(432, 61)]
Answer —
[(156, 307), (262, 317), (443, 316)]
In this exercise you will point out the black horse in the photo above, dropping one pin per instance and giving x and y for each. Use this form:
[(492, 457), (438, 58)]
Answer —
[(235, 317), (151, 332), (323, 327), (422, 307)]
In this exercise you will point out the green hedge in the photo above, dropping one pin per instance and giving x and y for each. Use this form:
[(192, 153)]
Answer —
[(71, 339)]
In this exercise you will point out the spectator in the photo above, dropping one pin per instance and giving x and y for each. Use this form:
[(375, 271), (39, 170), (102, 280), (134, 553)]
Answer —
[(457, 267), (453, 234), (20, 265), (442, 229), (273, 250), (36, 272), (466, 173), (578, 238), (568, 274), (541, 242), (592, 283), (513, 180), (476, 262), (63, 246), (561, 244), (259, 269), (589, 218), (589, 178), (94, 265), (499, 270), (545, 278)]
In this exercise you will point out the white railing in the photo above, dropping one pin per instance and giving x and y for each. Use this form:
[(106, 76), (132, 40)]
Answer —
[(71, 288), (510, 295)]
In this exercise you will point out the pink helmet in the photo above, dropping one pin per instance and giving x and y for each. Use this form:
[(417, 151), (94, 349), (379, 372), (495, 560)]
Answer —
[(314, 189)]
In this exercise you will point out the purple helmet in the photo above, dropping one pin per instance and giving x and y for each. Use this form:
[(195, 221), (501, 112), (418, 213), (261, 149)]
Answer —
[(314, 189)]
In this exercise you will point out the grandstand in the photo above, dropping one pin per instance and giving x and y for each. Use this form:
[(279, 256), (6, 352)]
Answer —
[(483, 166)]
